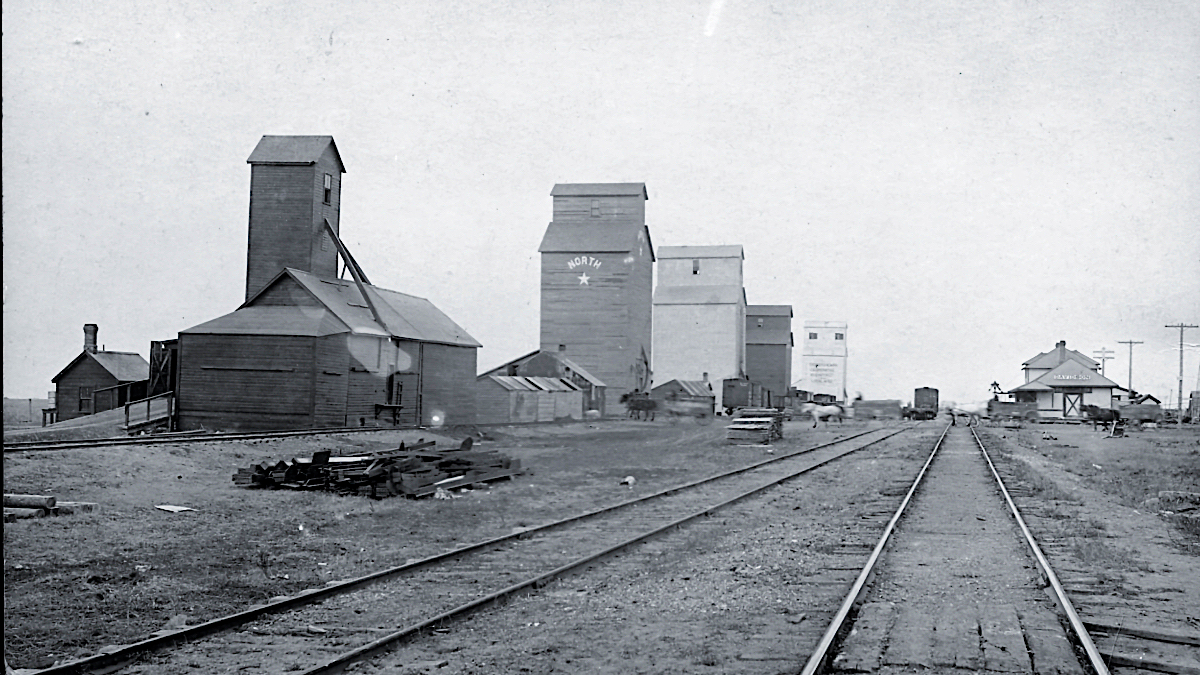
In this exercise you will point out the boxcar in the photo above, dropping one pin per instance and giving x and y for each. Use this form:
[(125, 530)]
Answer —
[(925, 404)]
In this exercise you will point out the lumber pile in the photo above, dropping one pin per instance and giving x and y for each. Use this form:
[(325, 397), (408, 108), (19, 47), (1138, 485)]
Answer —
[(17, 507), (414, 471), (756, 425)]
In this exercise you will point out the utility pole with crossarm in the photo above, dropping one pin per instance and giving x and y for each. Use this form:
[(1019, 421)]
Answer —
[(1182, 327), (1131, 343), (1104, 357)]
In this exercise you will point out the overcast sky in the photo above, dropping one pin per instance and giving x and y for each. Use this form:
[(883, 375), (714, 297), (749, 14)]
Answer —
[(964, 183)]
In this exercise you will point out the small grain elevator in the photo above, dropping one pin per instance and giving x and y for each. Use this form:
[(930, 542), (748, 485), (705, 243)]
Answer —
[(306, 348)]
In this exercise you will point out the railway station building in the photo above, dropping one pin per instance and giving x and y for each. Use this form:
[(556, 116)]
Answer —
[(700, 315), (1061, 381), (597, 283)]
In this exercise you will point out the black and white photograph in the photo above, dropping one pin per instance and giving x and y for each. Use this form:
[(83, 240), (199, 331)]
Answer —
[(702, 336)]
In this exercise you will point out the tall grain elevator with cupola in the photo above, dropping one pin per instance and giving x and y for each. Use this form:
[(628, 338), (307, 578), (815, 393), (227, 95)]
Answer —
[(295, 186), (597, 284)]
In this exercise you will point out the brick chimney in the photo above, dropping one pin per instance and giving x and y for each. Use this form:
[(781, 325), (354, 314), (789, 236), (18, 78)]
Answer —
[(1061, 347), (89, 337)]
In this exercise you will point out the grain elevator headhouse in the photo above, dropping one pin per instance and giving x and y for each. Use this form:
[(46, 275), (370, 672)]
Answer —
[(597, 283), (295, 187)]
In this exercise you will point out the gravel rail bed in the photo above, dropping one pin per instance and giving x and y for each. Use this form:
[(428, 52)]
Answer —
[(317, 633)]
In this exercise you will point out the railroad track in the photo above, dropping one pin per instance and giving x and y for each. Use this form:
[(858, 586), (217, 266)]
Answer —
[(959, 583), (188, 437), (287, 633)]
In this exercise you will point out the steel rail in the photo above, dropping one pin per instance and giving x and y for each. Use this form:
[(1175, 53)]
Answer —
[(164, 639), (859, 587), (192, 437), (339, 663), (1060, 594)]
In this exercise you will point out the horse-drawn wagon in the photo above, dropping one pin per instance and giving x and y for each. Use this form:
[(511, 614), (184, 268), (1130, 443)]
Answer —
[(1012, 411)]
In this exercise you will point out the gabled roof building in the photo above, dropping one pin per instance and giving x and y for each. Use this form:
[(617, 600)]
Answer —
[(97, 380), (1062, 381)]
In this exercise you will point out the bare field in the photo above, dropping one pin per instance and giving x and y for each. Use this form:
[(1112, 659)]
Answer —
[(76, 583)]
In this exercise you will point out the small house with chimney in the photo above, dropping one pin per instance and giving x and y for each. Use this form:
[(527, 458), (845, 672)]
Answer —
[(98, 380)]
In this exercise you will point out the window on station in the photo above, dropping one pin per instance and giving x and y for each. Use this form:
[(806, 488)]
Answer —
[(839, 336), (85, 399), (760, 323), (812, 336), (695, 266), (328, 188)]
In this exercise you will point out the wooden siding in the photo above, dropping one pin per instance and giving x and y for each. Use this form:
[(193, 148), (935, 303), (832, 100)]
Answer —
[(287, 213), (331, 381), (605, 323), (491, 402), (712, 272), (287, 293), (770, 366), (245, 382), (447, 383), (691, 340), (86, 373), (627, 208)]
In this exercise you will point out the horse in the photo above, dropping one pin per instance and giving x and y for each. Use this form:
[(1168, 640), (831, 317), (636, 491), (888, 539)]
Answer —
[(639, 405), (823, 412), (1097, 414)]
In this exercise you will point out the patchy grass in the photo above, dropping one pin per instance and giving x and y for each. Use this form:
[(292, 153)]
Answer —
[(75, 583)]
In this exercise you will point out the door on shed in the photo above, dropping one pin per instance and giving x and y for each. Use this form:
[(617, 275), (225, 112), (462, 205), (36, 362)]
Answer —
[(404, 390), (1072, 404)]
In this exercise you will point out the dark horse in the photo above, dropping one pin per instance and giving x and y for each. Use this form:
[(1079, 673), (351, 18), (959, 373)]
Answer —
[(1097, 414), (639, 404)]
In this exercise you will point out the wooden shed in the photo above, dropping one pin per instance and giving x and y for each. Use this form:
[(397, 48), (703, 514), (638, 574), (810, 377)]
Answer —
[(557, 365), (694, 391), (515, 399), (307, 351), (98, 380)]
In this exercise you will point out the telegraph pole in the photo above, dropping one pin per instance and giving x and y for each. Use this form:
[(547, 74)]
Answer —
[(1182, 327), (1131, 343), (1104, 357)]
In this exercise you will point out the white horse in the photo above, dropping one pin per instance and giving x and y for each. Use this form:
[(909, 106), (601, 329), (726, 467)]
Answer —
[(823, 412)]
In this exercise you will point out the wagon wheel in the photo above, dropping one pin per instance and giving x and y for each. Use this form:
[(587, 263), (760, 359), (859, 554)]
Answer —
[(704, 419)]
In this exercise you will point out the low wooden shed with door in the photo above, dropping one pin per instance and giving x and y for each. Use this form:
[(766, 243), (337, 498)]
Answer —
[(555, 364), (516, 399)]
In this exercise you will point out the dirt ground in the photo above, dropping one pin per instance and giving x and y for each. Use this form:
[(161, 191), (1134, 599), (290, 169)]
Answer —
[(75, 583)]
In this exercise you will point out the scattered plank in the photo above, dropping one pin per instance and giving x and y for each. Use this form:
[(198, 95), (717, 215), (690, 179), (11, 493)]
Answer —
[(29, 501), (408, 471)]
